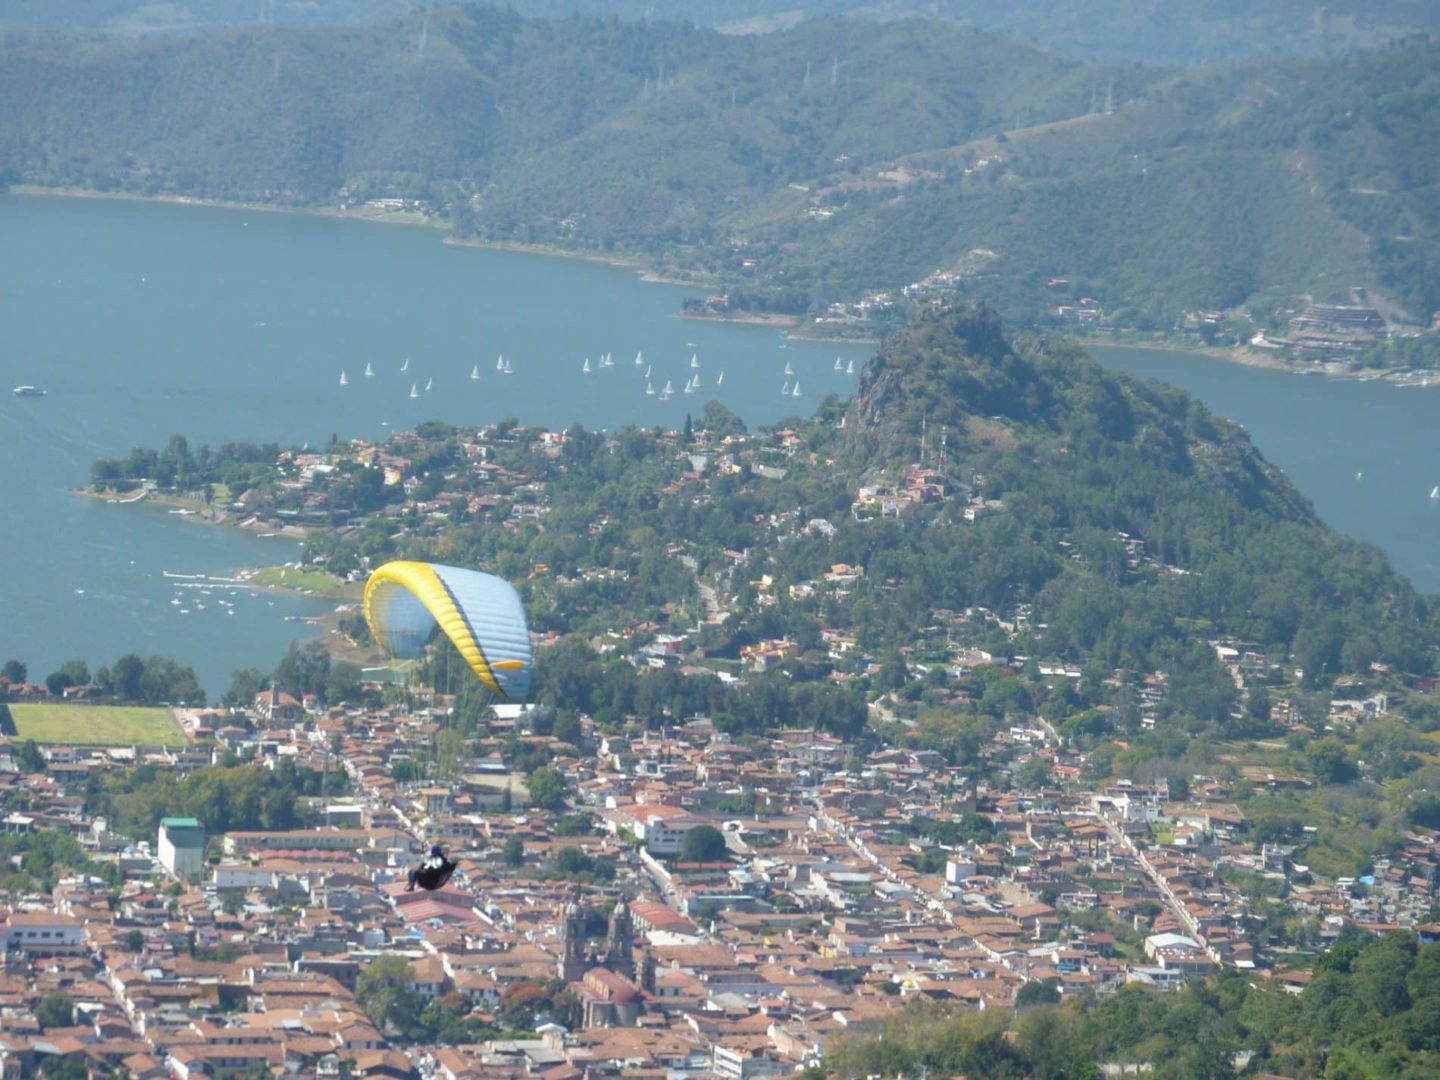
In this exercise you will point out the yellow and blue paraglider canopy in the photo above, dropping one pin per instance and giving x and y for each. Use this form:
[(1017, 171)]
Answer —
[(480, 614)]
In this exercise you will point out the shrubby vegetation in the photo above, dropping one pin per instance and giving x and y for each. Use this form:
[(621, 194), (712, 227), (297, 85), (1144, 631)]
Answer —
[(223, 798), (36, 861), (385, 995), (239, 466), (1372, 1009)]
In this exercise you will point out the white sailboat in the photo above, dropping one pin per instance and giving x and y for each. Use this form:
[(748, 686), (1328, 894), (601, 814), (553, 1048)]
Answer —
[(508, 369), (586, 368), (414, 392), (343, 380), (837, 363), (405, 366), (788, 369), (669, 389), (690, 387), (500, 363), (1435, 492), (647, 371), (850, 368), (428, 384), (785, 390), (475, 372), (369, 372), (639, 358), (605, 361), (721, 379), (694, 360), (649, 389), (795, 390)]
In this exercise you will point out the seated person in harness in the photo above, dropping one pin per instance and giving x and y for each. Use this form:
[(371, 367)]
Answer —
[(433, 873)]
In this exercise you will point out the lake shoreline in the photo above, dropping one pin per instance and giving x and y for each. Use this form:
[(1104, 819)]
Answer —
[(193, 510), (1244, 356), (372, 216), (794, 325)]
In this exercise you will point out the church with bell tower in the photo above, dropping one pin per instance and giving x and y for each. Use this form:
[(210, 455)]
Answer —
[(572, 962), (617, 987)]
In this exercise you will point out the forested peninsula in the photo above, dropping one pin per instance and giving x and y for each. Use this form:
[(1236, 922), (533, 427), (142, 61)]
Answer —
[(991, 531)]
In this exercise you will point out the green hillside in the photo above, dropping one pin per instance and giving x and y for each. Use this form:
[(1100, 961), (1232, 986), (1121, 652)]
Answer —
[(793, 170), (1080, 457)]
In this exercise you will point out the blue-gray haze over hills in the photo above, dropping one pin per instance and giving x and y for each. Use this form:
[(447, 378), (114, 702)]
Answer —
[(1115, 31)]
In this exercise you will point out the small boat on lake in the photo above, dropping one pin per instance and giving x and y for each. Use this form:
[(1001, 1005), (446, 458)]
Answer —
[(343, 380), (414, 391), (837, 364), (788, 369), (649, 389), (694, 360), (475, 373), (850, 368), (721, 379), (405, 366), (369, 372), (428, 384), (586, 368), (29, 391), (639, 358), (795, 391), (500, 363)]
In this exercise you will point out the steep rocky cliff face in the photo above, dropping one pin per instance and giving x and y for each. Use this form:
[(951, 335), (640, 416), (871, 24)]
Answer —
[(955, 378)]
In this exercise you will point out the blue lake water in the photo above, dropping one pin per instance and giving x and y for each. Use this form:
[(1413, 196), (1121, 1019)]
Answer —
[(144, 320)]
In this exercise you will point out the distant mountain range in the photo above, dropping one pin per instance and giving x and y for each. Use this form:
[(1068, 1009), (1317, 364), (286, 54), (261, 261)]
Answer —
[(796, 169), (1112, 31)]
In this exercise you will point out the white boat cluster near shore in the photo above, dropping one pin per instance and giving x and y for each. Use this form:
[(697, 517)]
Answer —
[(694, 382)]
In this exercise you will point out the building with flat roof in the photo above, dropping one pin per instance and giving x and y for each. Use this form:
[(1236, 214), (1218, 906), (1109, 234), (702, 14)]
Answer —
[(182, 846)]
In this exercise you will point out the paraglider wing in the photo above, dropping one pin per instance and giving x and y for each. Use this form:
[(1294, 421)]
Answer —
[(480, 614)]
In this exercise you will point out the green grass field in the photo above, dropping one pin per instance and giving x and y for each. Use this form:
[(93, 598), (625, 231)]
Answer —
[(290, 577), (96, 725)]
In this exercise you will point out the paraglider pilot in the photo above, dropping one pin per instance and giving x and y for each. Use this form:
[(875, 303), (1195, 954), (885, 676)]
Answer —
[(433, 872)]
